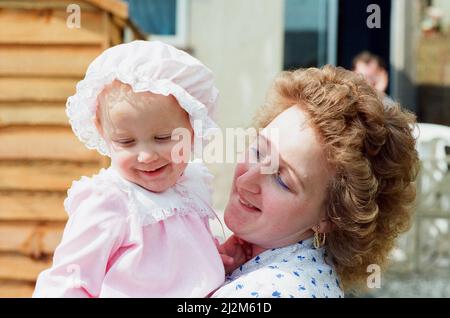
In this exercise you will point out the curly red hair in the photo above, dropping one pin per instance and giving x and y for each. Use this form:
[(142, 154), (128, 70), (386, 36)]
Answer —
[(372, 151)]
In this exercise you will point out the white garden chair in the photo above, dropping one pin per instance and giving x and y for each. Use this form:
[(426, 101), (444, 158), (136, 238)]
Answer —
[(421, 260)]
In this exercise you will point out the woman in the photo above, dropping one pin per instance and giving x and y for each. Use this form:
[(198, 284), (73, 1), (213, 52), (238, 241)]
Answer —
[(339, 198)]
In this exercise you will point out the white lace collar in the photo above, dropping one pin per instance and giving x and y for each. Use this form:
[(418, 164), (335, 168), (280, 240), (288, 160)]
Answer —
[(190, 194)]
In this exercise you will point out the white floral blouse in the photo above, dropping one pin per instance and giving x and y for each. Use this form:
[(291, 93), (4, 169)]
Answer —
[(295, 271)]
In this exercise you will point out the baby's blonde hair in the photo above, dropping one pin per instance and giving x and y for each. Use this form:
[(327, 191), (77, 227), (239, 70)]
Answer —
[(114, 93)]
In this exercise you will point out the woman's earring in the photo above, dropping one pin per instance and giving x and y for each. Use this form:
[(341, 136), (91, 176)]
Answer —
[(319, 238)]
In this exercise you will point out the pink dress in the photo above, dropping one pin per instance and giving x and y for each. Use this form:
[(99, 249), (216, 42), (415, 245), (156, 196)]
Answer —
[(124, 241)]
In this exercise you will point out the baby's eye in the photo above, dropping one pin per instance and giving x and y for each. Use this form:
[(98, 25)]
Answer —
[(163, 138), (124, 142)]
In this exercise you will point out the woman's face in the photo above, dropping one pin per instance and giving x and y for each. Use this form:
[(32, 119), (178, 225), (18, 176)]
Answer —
[(280, 208)]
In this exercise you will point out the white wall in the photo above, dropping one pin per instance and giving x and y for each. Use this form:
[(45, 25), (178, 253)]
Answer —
[(242, 43), (404, 39)]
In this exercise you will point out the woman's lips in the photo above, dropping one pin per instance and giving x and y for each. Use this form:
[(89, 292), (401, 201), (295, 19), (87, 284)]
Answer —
[(154, 173), (248, 207)]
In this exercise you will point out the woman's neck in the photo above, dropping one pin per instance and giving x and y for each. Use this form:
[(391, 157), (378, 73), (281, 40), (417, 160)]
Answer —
[(256, 249)]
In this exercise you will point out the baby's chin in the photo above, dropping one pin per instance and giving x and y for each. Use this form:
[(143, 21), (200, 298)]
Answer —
[(158, 186)]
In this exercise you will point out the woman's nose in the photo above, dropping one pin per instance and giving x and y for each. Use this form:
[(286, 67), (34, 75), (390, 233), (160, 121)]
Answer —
[(147, 156), (250, 180)]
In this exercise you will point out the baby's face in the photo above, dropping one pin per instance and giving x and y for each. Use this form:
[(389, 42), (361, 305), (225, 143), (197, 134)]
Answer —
[(138, 131)]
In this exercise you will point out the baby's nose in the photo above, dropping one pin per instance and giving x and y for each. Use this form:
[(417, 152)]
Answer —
[(147, 156)]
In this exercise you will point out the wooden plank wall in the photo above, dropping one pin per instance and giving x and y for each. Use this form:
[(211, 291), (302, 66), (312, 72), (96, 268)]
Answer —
[(41, 60)]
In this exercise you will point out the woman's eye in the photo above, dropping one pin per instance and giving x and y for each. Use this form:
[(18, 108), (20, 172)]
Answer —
[(257, 153), (280, 181)]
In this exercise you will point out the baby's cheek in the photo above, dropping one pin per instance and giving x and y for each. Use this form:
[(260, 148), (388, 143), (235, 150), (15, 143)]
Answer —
[(177, 152), (178, 169), (122, 160)]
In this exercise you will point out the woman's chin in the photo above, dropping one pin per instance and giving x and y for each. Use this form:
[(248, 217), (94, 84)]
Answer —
[(231, 221), (235, 219), (226, 219)]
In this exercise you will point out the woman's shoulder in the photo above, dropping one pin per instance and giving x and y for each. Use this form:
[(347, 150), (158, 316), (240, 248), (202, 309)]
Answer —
[(297, 270), (266, 282), (278, 281), (307, 271)]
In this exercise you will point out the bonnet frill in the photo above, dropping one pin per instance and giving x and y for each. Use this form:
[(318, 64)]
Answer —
[(147, 66)]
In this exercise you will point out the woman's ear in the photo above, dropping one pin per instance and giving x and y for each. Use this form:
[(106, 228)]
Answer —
[(325, 225)]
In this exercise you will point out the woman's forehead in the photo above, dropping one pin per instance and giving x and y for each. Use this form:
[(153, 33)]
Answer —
[(290, 130), (296, 141)]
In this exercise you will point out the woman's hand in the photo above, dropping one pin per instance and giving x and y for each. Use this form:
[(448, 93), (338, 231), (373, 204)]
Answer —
[(234, 252)]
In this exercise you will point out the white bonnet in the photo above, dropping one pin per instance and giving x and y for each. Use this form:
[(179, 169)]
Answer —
[(147, 66)]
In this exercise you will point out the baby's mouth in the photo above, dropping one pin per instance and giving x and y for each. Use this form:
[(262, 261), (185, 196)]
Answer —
[(154, 172)]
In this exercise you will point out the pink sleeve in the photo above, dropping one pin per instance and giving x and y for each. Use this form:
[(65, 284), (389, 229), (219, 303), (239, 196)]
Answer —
[(95, 230)]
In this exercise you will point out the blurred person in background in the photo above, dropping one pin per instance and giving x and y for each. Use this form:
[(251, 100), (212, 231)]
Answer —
[(374, 70)]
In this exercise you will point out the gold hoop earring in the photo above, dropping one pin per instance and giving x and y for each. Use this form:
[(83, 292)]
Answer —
[(319, 238)]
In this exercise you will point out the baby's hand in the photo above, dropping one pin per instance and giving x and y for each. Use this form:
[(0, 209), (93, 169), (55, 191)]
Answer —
[(234, 252)]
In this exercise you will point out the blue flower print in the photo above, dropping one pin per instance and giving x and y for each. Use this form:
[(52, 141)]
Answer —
[(298, 271), (276, 294)]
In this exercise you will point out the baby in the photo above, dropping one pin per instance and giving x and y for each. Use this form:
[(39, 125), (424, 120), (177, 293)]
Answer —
[(140, 228)]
